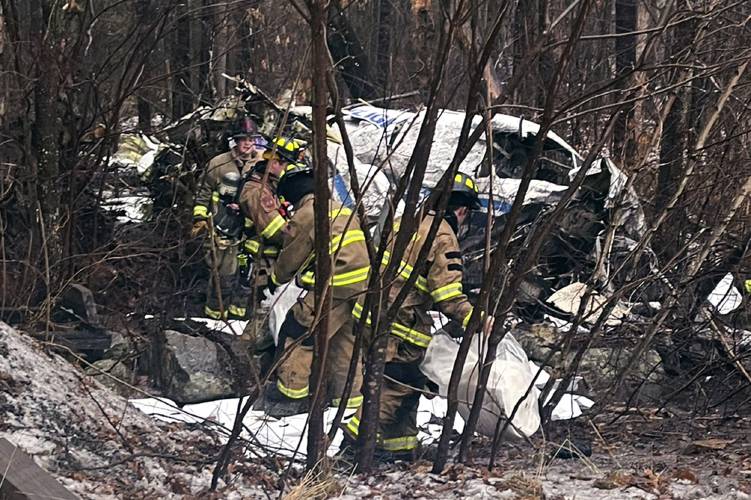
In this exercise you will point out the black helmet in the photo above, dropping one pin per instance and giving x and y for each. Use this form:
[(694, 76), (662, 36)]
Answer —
[(287, 150), (245, 127), (464, 192), (295, 182)]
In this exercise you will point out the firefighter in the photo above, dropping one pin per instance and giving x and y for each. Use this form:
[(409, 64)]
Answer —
[(439, 285), (350, 271), (265, 218), (216, 212)]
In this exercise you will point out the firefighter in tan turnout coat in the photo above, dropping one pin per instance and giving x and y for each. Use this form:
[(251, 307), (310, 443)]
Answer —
[(350, 271), (265, 219), (216, 212), (440, 286)]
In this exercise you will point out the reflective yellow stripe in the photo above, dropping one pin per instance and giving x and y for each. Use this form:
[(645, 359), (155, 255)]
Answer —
[(404, 443), (215, 197), (465, 321), (341, 211), (292, 393), (409, 335), (351, 277), (274, 279), (237, 310), (405, 333), (350, 237), (447, 292), (307, 278), (213, 313), (747, 284), (353, 426), (252, 246), (405, 271), (357, 313), (242, 260), (274, 226), (354, 402), (343, 279), (248, 223), (201, 211)]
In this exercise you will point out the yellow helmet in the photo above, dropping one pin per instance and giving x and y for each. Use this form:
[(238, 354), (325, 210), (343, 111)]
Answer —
[(465, 191), (287, 150)]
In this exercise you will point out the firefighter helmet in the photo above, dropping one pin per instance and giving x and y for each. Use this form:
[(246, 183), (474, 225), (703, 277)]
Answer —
[(286, 150), (294, 169), (295, 182), (464, 192), (245, 127)]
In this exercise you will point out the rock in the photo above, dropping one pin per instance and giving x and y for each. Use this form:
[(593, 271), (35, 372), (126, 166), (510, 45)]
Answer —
[(118, 369), (193, 369), (97, 444), (600, 365), (80, 300), (537, 339)]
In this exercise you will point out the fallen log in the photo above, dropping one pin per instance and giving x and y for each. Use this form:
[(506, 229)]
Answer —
[(23, 479)]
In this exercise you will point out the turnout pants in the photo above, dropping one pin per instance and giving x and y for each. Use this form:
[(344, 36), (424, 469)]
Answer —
[(257, 328), (294, 373), (400, 396), (222, 264)]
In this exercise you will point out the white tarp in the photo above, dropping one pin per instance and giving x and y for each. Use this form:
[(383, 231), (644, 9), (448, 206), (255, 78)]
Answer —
[(510, 378)]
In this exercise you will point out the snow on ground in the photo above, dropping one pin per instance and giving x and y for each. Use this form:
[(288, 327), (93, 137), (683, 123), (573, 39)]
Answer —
[(94, 441), (288, 436), (285, 436)]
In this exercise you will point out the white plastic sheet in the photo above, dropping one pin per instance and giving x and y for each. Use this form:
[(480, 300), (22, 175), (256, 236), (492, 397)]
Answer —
[(725, 297), (510, 378), (279, 304)]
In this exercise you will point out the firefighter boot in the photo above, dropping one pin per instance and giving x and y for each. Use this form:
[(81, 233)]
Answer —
[(277, 405)]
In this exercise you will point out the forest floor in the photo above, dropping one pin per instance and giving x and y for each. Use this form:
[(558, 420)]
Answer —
[(99, 446), (640, 456)]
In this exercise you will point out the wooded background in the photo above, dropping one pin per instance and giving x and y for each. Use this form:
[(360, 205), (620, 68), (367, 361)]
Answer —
[(659, 86)]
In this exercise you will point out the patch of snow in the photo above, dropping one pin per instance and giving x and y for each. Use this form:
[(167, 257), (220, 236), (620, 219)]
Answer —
[(137, 208), (284, 435), (725, 297)]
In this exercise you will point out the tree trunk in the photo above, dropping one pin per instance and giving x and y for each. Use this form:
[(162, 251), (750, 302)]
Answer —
[(144, 13), (625, 59), (383, 47), (349, 55), (320, 66), (524, 30), (220, 49), (182, 100), (674, 148)]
